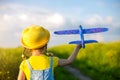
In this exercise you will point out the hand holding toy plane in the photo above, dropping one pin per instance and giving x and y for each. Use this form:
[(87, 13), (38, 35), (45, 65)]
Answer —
[(81, 32)]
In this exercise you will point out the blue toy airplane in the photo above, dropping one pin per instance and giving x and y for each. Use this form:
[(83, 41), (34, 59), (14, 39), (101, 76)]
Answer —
[(82, 31)]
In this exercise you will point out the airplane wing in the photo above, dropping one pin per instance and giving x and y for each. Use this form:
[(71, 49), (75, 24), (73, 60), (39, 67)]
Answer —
[(85, 31), (80, 42), (76, 31), (94, 30)]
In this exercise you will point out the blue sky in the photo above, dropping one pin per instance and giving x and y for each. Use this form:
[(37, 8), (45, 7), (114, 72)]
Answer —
[(54, 15)]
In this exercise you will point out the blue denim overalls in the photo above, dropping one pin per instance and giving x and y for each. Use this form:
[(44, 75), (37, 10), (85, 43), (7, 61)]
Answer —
[(41, 74)]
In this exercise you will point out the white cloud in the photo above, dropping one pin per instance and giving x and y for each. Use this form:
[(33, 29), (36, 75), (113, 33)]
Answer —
[(97, 19), (13, 18), (97, 37), (18, 15), (56, 19), (23, 17)]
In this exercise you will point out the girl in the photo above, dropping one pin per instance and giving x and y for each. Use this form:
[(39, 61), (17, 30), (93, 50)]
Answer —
[(39, 66)]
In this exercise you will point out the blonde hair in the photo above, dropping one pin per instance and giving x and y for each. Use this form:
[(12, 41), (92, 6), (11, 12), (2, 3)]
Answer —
[(43, 50)]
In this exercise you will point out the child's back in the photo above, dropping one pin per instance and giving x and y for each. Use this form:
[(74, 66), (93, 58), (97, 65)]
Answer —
[(43, 74), (41, 63)]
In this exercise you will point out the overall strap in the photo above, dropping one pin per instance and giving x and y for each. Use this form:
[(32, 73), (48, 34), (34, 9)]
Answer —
[(51, 71), (28, 63), (51, 62)]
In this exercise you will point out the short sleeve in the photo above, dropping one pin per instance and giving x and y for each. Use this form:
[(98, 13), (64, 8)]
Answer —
[(22, 65), (55, 61)]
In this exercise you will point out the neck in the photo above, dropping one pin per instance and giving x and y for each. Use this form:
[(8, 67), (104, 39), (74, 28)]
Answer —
[(36, 53)]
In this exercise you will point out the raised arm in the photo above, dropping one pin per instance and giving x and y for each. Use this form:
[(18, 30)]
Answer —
[(63, 62)]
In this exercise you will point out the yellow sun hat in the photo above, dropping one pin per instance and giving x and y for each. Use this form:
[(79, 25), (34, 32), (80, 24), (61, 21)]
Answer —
[(35, 36)]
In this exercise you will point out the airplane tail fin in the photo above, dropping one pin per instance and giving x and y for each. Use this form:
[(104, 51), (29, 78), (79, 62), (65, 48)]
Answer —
[(80, 42)]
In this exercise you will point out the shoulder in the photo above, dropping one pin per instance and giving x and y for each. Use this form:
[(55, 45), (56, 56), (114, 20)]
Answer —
[(55, 58), (55, 61), (23, 62), (22, 65)]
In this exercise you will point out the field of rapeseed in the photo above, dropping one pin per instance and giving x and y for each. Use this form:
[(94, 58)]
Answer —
[(100, 61)]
